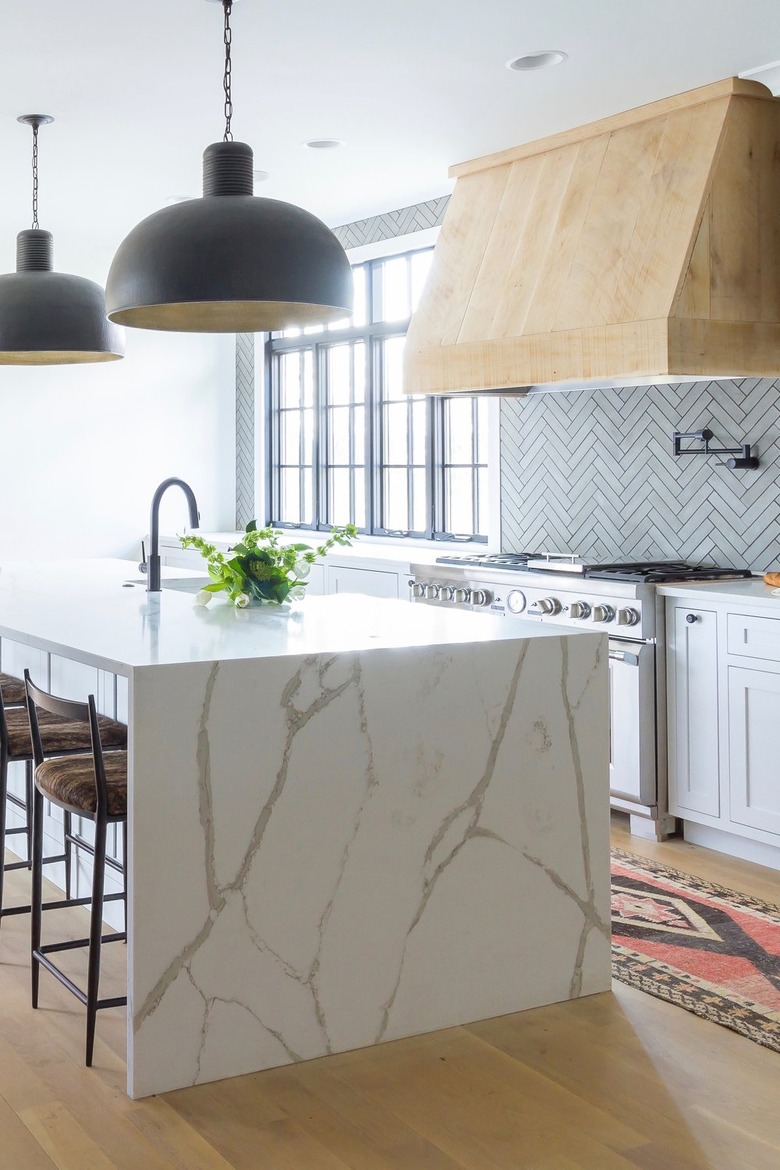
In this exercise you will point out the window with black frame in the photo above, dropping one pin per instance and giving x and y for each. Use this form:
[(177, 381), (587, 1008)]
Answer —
[(346, 445)]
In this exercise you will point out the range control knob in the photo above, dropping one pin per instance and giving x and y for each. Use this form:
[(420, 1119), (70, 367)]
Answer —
[(447, 593), (418, 588), (432, 592), (546, 606), (603, 613), (481, 597), (515, 602), (462, 596), (628, 617), (580, 610)]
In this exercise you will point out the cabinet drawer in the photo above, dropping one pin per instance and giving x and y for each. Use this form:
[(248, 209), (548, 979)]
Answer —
[(754, 637)]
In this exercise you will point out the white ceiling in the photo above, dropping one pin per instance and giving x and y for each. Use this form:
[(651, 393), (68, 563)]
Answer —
[(411, 86)]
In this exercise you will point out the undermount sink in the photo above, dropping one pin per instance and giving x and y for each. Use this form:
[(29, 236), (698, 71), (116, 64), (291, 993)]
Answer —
[(180, 584)]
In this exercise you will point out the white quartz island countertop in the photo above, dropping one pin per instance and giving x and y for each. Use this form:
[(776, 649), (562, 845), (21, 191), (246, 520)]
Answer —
[(350, 820)]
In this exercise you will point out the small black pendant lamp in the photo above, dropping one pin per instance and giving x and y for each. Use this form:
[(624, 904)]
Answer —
[(50, 318), (231, 261)]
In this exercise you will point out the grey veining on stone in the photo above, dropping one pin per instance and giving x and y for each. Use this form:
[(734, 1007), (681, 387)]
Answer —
[(361, 837)]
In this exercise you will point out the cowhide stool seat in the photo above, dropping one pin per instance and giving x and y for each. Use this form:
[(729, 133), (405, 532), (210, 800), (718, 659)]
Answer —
[(60, 736), (92, 784), (11, 690)]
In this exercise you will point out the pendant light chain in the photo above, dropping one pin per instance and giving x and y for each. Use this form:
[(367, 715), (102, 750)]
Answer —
[(228, 76), (35, 177)]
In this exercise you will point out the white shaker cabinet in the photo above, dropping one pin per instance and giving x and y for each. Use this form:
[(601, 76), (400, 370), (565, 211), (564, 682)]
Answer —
[(754, 748), (693, 714), (723, 685)]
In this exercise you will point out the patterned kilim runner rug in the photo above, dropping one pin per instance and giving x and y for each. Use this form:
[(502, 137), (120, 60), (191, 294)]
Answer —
[(707, 949)]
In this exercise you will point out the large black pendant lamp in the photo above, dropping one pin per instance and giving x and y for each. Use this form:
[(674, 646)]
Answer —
[(50, 318), (231, 261)]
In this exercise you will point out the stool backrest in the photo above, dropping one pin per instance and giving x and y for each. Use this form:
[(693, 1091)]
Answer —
[(74, 712)]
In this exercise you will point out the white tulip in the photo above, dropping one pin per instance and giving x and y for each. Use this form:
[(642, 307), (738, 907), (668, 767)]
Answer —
[(242, 601), (297, 593), (302, 569), (203, 597)]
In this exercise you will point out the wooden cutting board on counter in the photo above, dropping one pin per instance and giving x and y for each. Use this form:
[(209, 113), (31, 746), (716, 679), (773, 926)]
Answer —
[(772, 579)]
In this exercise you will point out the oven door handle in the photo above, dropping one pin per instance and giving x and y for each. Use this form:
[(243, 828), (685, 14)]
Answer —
[(624, 656)]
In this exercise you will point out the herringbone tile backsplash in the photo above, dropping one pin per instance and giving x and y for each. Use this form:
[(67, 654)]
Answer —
[(592, 473)]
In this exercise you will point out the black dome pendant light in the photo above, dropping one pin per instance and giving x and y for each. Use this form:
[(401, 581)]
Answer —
[(230, 262), (50, 318)]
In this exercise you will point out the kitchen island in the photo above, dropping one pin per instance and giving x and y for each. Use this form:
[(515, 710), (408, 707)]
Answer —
[(349, 821)]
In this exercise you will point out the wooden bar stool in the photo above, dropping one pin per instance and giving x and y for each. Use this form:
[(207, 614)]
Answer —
[(92, 785), (60, 737)]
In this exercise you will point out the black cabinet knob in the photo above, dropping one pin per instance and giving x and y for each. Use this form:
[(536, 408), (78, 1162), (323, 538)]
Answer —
[(692, 617)]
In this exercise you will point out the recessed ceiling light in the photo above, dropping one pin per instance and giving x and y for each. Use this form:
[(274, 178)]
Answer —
[(261, 176), (543, 59), (323, 143)]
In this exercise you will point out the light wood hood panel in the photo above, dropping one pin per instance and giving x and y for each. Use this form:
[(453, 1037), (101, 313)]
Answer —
[(569, 260)]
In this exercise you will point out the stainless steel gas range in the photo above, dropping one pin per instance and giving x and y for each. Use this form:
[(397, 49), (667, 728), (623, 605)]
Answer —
[(617, 599)]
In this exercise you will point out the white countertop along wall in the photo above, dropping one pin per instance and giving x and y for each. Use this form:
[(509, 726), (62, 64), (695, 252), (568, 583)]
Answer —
[(751, 591)]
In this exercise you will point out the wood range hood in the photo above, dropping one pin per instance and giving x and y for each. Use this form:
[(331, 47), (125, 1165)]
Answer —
[(642, 248)]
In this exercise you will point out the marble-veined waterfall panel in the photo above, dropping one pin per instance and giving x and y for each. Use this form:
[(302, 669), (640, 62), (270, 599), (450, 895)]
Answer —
[(362, 847)]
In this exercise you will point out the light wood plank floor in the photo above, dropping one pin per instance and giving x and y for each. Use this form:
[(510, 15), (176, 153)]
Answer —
[(614, 1082)]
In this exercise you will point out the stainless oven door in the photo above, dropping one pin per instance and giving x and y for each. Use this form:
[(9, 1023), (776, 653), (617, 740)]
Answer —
[(632, 767)]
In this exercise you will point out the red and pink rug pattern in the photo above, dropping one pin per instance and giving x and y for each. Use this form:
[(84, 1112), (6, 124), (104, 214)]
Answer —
[(709, 950)]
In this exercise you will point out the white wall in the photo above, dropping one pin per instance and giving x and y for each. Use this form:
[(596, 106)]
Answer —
[(82, 448)]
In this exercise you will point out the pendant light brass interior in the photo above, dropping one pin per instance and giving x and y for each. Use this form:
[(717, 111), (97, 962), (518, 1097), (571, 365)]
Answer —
[(51, 318), (230, 262)]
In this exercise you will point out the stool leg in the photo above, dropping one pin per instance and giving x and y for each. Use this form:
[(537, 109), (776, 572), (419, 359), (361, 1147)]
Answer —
[(3, 793), (124, 872), (66, 830), (28, 807), (37, 892), (95, 932)]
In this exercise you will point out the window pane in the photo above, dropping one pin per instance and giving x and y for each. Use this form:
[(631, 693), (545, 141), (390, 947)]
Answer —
[(339, 382), (396, 442), (291, 436), (421, 265), (359, 432), (339, 425), (291, 497), (307, 422), (360, 499), (419, 501), (419, 431), (482, 521), (458, 511), (290, 379), (482, 430), (392, 355), (308, 378), (359, 371), (458, 430), (394, 284), (360, 311), (338, 511), (307, 507), (396, 499)]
